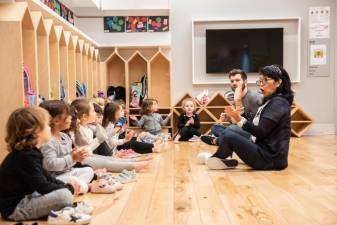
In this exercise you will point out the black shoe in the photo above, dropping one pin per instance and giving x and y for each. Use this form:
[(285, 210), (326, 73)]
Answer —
[(210, 140), (215, 163)]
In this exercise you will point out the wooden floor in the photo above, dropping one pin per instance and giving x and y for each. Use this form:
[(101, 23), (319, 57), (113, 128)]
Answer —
[(176, 190)]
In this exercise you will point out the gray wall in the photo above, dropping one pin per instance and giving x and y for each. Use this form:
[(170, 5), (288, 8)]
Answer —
[(316, 95)]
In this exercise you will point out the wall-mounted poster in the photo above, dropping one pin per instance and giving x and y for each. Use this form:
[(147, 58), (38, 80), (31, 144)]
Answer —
[(158, 23), (114, 24), (136, 24), (60, 9)]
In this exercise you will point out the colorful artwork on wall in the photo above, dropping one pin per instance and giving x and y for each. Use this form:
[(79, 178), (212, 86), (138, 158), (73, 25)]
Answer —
[(114, 24), (158, 23), (60, 9), (136, 24)]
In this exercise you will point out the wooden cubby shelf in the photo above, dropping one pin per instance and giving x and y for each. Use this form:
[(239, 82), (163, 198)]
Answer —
[(125, 66), (50, 47), (210, 115)]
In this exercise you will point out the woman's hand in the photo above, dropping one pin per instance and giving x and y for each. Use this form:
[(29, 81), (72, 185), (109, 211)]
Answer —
[(234, 114)]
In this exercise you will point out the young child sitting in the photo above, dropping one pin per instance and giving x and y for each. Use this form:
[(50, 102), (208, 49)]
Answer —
[(27, 190), (59, 157), (112, 113), (188, 123), (84, 114), (151, 121)]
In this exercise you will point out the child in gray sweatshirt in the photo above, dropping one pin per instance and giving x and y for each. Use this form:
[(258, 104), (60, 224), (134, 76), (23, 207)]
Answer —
[(151, 121)]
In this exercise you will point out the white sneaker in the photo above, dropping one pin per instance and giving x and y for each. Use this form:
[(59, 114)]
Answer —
[(215, 163), (67, 216), (83, 208), (202, 157)]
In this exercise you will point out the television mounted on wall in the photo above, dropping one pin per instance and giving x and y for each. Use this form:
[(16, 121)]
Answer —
[(246, 49)]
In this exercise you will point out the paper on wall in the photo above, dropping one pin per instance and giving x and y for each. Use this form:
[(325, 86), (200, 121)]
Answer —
[(319, 22), (318, 55)]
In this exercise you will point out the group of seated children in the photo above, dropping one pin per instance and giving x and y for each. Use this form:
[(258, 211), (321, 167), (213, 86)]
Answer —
[(59, 150)]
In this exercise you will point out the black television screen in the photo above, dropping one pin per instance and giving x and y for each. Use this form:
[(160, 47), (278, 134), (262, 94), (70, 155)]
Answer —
[(246, 49)]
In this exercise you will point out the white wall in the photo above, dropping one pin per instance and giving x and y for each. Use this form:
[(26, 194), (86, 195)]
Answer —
[(315, 95)]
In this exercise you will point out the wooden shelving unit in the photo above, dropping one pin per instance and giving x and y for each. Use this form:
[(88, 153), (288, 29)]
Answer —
[(42, 54), (72, 42), (210, 115), (51, 48), (159, 68), (125, 66), (79, 49), (300, 121)]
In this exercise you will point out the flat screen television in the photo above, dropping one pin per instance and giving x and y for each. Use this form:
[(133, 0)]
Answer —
[(246, 49)]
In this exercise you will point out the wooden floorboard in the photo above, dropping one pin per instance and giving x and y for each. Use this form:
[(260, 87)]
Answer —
[(175, 190)]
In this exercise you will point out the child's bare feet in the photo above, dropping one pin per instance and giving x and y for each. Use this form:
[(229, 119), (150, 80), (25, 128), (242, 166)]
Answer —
[(141, 165), (156, 149), (176, 139), (158, 142), (144, 158)]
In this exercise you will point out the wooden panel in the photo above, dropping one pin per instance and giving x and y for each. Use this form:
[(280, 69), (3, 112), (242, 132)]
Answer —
[(160, 80), (116, 71)]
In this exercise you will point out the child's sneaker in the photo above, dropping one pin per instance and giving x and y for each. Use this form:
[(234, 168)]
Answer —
[(131, 173), (125, 178), (83, 208), (101, 186), (67, 216), (194, 138)]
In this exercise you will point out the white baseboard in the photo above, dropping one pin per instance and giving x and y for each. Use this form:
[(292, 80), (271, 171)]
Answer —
[(321, 129)]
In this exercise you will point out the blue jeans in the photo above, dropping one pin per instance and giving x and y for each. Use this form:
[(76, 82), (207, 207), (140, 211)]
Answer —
[(218, 130)]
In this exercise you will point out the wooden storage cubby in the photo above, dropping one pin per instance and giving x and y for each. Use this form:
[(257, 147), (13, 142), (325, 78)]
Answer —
[(64, 73), (137, 68), (159, 79), (116, 70), (72, 41), (128, 65), (95, 77), (300, 121), (79, 59), (17, 46), (90, 74), (85, 53), (210, 114), (54, 63), (33, 35), (42, 55)]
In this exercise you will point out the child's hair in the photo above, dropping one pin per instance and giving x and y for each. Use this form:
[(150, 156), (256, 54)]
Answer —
[(98, 109), (98, 100), (121, 102), (56, 108), (188, 100), (78, 108), (22, 127), (147, 104), (109, 114)]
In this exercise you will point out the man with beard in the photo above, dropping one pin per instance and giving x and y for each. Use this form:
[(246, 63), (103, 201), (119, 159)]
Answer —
[(247, 100)]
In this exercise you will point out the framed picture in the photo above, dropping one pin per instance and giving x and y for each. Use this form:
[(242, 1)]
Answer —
[(114, 24), (136, 24), (158, 23)]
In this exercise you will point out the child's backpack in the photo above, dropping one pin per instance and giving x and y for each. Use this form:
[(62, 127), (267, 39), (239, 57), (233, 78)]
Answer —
[(120, 93), (62, 91), (27, 85), (84, 87), (144, 93), (79, 89), (136, 89)]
